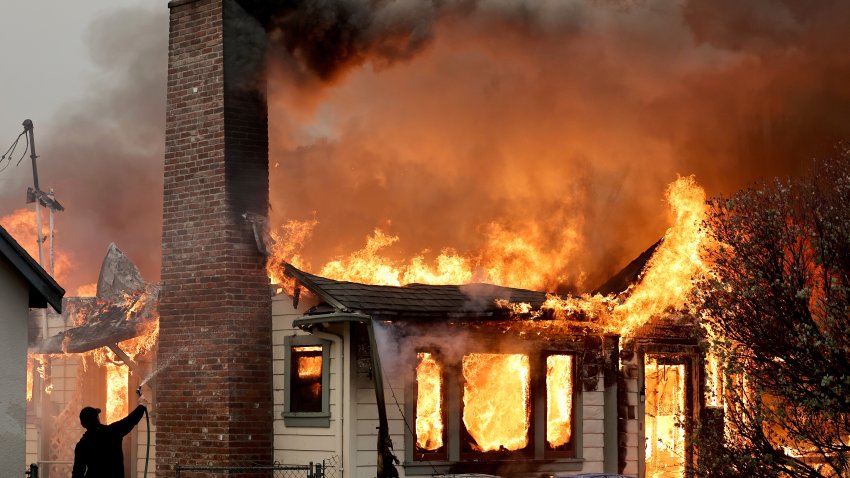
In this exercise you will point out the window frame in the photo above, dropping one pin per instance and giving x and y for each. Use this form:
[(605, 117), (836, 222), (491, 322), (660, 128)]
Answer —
[(571, 449), (441, 454), (535, 455), (320, 419)]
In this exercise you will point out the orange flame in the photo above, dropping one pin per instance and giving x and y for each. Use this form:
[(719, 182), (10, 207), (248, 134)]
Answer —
[(116, 392), (518, 260), (117, 372), (495, 400), (429, 403), (510, 258), (30, 377), (310, 367), (21, 224), (559, 399), (286, 246), (670, 272)]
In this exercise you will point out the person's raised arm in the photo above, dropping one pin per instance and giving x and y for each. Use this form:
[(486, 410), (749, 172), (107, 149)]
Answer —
[(126, 424)]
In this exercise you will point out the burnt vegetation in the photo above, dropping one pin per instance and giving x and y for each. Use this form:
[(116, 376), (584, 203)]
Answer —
[(777, 307)]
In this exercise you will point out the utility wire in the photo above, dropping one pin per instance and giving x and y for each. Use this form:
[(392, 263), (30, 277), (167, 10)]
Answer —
[(25, 150), (11, 151)]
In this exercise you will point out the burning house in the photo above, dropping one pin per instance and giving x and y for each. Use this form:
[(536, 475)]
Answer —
[(372, 378), (96, 352), (448, 379)]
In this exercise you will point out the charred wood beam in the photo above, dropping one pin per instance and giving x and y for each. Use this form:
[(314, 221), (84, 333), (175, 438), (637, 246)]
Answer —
[(131, 364)]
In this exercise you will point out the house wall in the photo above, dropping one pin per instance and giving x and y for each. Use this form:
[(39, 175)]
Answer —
[(302, 445), (355, 444), (14, 298)]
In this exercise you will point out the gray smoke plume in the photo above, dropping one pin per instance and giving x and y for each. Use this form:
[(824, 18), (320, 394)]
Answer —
[(103, 152)]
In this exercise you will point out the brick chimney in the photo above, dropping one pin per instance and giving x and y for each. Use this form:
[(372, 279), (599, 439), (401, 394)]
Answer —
[(214, 400)]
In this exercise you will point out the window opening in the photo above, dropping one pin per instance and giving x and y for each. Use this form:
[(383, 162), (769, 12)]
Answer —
[(496, 401), (559, 401), (665, 406), (306, 381)]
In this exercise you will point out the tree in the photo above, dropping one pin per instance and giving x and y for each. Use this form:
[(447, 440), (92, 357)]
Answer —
[(776, 305)]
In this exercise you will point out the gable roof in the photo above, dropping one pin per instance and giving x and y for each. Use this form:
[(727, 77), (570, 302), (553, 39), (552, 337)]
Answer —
[(412, 299), (628, 275), (43, 289)]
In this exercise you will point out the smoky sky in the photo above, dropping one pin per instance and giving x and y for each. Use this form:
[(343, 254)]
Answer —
[(103, 152), (435, 120), (444, 121)]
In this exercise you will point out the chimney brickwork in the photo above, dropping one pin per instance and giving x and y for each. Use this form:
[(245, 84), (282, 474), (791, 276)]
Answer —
[(214, 397)]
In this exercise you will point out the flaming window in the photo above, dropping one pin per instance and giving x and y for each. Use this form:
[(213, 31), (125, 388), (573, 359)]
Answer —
[(498, 397), (559, 401), (665, 416), (430, 421), (306, 401), (496, 401)]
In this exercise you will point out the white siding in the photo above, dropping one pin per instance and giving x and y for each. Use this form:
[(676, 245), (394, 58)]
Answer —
[(593, 429), (366, 412), (301, 445), (14, 296), (633, 432)]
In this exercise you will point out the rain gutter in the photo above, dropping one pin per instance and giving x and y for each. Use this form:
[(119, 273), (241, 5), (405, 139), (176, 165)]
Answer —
[(386, 459)]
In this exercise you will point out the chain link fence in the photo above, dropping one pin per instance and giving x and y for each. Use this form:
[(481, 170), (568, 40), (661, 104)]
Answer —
[(328, 468)]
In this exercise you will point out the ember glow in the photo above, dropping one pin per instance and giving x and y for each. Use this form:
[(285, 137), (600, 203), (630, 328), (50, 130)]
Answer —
[(496, 400), (665, 408), (559, 399), (429, 403)]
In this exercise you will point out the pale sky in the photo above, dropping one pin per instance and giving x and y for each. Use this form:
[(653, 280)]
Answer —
[(46, 62)]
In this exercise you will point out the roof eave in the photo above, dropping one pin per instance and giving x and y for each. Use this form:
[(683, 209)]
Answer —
[(35, 275)]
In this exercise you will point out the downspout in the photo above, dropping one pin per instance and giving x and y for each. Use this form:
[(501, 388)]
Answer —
[(386, 460), (337, 340)]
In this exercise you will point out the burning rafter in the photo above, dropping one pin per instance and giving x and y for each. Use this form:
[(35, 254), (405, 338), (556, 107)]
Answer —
[(104, 324)]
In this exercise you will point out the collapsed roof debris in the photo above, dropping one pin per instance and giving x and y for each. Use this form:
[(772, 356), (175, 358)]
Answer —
[(125, 307)]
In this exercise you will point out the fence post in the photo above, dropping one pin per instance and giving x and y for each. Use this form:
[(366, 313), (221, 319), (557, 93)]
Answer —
[(320, 470), (33, 471), (310, 471)]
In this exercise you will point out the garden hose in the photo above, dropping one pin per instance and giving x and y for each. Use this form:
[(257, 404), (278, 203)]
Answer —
[(148, 426)]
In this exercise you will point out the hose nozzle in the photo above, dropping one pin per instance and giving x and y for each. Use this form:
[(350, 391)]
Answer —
[(139, 391)]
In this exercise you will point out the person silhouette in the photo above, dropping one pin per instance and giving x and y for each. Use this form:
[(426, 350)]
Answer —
[(98, 454)]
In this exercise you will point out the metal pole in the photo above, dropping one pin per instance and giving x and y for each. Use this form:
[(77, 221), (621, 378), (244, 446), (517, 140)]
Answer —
[(51, 233), (28, 128)]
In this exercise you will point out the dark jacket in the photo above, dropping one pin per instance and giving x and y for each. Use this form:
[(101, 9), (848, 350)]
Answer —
[(98, 453)]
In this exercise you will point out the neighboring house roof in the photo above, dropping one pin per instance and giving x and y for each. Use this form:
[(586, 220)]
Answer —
[(43, 289), (413, 299)]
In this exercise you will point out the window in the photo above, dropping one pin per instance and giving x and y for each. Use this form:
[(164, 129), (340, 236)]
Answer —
[(306, 377), (493, 406), (430, 407), (495, 402)]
